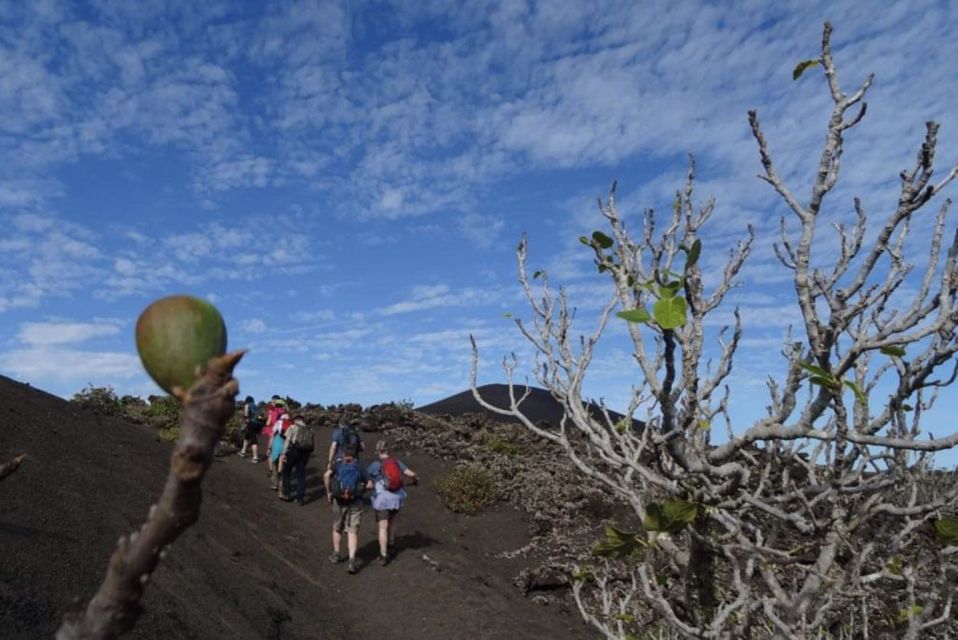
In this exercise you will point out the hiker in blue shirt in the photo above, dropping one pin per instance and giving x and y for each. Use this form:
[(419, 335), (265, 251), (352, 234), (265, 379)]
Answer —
[(344, 437), (389, 496), (346, 483)]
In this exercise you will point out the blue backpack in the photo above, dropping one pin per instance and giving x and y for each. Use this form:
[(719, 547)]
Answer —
[(347, 482)]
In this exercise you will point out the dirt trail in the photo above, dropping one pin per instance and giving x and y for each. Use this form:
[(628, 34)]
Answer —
[(253, 567)]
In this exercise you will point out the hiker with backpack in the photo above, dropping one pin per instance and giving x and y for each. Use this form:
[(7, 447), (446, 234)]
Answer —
[(252, 424), (346, 436), (275, 409), (300, 443), (277, 445), (346, 482), (389, 496)]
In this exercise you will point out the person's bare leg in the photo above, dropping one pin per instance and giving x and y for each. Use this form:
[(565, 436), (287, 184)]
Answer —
[(391, 531), (337, 541), (383, 537), (352, 540)]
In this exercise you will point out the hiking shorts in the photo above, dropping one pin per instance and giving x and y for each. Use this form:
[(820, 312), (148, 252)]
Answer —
[(385, 514), (346, 517)]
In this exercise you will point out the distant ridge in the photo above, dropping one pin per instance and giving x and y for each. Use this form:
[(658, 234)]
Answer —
[(539, 406)]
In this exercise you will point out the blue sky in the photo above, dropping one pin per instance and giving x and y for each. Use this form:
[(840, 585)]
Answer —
[(348, 181)]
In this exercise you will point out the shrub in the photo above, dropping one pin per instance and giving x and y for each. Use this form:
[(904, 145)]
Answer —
[(100, 400), (497, 444), (468, 489)]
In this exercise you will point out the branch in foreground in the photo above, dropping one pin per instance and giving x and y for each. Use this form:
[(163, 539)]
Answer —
[(206, 408), (9, 467)]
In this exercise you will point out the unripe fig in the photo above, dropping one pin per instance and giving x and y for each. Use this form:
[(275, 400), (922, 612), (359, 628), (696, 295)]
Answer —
[(174, 335)]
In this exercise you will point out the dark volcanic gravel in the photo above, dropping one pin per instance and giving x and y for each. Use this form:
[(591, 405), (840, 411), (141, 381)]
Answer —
[(253, 567)]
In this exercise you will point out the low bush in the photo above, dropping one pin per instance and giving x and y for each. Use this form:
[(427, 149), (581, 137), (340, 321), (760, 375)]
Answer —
[(100, 400), (503, 446), (468, 489)]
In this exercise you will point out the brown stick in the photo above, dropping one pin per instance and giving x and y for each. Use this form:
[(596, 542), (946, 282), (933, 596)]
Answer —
[(206, 408), (9, 467)]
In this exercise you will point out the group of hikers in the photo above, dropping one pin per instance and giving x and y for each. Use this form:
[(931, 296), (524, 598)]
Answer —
[(290, 443)]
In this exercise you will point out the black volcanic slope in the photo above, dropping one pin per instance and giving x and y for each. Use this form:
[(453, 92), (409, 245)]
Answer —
[(540, 406), (252, 567)]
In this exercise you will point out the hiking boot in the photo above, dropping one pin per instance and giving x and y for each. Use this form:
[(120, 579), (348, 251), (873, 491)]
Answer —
[(335, 558), (383, 560), (391, 550), (284, 497), (241, 454), (353, 567), (256, 460)]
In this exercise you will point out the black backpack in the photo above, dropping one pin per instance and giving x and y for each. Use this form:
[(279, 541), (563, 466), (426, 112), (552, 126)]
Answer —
[(303, 438), (349, 440)]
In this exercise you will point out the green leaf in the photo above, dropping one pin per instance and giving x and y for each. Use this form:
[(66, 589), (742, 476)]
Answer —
[(616, 542), (802, 66), (704, 425), (669, 517), (537, 274), (851, 384), (671, 289), (584, 240), (601, 239), (825, 382), (670, 312), (907, 407), (947, 529), (693, 255), (624, 617), (507, 315), (813, 369), (893, 350), (895, 565), (602, 267), (639, 314), (905, 614)]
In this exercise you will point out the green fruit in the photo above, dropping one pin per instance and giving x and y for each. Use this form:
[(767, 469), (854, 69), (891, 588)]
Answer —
[(174, 335)]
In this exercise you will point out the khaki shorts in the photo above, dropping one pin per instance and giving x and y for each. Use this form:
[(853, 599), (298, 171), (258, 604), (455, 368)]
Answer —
[(346, 517)]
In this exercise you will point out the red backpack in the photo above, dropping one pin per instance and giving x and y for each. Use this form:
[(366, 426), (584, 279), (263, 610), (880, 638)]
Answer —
[(392, 474)]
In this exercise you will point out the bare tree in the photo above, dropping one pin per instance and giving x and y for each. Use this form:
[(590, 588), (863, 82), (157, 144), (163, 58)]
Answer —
[(206, 408), (825, 518)]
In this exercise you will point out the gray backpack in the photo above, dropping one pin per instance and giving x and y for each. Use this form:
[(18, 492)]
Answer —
[(303, 438)]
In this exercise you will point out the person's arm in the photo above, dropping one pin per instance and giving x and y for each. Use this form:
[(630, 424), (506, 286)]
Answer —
[(409, 473), (327, 477), (332, 453), (289, 439)]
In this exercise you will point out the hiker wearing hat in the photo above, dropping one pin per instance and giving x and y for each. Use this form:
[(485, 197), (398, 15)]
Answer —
[(275, 409), (277, 444), (346, 436), (298, 447), (389, 496)]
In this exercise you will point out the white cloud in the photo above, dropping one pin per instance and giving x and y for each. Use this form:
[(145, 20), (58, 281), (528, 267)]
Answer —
[(48, 333), (253, 325), (481, 230), (43, 364), (439, 296)]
